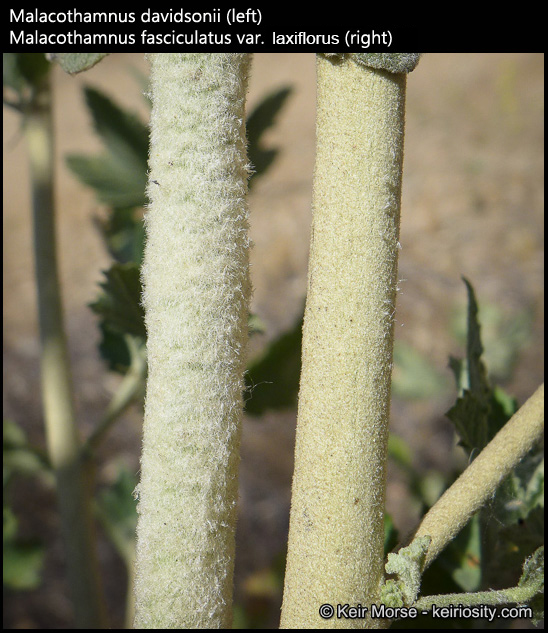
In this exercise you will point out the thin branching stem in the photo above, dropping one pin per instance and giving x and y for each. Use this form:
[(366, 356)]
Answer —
[(128, 391), (73, 485), (481, 479)]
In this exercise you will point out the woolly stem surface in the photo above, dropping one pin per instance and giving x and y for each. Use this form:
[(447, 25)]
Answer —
[(196, 298), (335, 552)]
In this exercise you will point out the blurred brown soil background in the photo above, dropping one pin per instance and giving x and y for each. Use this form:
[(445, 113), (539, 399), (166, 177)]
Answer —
[(472, 206)]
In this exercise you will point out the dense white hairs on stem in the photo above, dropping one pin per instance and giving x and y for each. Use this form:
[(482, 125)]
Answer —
[(196, 297)]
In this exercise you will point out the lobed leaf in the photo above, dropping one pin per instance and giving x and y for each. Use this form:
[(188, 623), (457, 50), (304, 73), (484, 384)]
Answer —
[(273, 379), (119, 177), (122, 132), (258, 122), (511, 525), (124, 233), (119, 304), (121, 312), (480, 410), (115, 183)]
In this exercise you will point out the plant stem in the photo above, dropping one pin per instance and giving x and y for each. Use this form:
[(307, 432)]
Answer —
[(129, 389), (481, 479), (196, 297), (517, 595), (73, 486), (335, 552)]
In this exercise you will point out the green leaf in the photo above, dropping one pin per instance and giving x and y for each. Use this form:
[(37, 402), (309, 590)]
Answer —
[(77, 62), (390, 534), (124, 234), (25, 461), (428, 486), (523, 489), (240, 618), (114, 349), (117, 510), (273, 380), (407, 565), (23, 76), (122, 132), (10, 525), (514, 521), (511, 524), (119, 177), (460, 371), (514, 542), (23, 565), (23, 560), (119, 304), (400, 451), (414, 376), (259, 120), (121, 312), (13, 436), (115, 183), (537, 604), (11, 74), (477, 412), (504, 405), (469, 416), (503, 336), (477, 373), (22, 70), (18, 455)]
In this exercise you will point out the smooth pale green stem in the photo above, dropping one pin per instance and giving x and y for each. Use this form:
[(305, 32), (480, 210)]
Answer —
[(480, 480), (129, 389), (335, 552), (517, 595), (196, 298), (73, 485)]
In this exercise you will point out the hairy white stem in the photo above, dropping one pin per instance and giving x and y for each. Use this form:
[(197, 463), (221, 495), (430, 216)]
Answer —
[(196, 296)]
